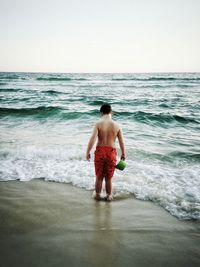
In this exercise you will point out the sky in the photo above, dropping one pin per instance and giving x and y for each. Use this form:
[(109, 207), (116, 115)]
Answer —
[(100, 35)]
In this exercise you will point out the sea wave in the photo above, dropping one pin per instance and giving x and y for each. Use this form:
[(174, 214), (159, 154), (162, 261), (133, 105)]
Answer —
[(185, 155), (13, 90), (52, 92), (42, 111), (158, 86), (156, 79), (59, 79), (46, 111), (9, 77), (63, 113), (146, 117)]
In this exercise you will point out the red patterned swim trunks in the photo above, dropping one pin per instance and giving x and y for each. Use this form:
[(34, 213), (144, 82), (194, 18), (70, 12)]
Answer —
[(105, 161)]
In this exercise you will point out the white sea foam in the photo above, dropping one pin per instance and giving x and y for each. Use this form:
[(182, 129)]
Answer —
[(175, 189)]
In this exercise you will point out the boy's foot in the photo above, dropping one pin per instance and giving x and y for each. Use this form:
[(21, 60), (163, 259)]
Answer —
[(96, 196), (109, 198)]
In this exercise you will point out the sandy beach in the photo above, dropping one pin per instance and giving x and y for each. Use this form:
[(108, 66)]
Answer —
[(53, 224)]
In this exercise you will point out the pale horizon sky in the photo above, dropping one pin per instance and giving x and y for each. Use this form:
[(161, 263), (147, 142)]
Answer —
[(100, 36)]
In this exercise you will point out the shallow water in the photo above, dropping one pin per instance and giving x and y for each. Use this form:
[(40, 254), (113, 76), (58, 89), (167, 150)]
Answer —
[(46, 121)]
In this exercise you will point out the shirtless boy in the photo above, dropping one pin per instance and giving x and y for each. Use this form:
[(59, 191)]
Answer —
[(106, 131)]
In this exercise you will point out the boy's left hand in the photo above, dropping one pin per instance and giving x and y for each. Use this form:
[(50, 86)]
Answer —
[(123, 157)]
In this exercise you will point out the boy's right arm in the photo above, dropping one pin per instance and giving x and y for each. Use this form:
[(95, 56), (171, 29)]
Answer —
[(121, 144), (91, 141)]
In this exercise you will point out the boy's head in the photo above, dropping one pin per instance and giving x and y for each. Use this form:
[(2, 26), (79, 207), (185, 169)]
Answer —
[(106, 109)]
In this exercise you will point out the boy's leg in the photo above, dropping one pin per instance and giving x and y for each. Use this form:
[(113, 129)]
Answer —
[(109, 171), (108, 186), (98, 186)]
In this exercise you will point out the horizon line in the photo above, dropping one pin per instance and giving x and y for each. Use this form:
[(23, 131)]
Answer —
[(73, 72)]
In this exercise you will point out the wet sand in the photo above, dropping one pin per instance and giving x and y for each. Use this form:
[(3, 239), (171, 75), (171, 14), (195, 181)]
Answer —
[(52, 224)]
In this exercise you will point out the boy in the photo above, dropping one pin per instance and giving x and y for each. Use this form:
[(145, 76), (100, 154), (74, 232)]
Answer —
[(106, 130)]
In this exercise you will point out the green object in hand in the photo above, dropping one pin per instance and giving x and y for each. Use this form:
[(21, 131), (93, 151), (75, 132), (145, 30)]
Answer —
[(121, 165)]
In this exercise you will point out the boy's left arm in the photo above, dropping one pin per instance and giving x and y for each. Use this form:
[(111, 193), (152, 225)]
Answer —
[(91, 141)]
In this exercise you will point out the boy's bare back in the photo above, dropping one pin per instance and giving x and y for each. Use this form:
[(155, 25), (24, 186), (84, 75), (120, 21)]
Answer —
[(107, 132)]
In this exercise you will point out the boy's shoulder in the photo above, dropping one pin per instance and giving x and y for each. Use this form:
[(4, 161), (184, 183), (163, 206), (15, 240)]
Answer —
[(114, 123)]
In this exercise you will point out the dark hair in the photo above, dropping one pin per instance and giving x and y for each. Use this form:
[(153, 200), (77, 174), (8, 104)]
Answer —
[(105, 109)]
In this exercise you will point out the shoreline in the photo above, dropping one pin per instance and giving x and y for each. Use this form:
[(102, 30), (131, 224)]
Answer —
[(53, 224)]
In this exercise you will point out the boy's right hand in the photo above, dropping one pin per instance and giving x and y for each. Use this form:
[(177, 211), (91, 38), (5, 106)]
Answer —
[(88, 157)]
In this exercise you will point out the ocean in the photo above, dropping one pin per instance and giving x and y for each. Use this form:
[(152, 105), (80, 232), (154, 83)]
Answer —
[(46, 120)]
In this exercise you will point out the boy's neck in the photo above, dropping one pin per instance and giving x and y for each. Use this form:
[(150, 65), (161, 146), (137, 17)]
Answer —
[(107, 116)]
